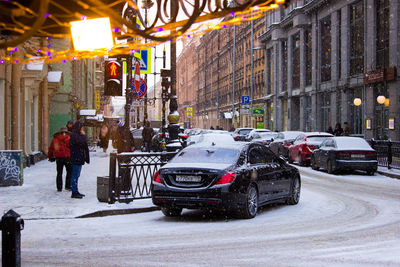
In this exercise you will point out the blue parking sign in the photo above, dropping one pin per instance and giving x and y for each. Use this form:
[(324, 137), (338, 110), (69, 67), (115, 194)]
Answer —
[(245, 99)]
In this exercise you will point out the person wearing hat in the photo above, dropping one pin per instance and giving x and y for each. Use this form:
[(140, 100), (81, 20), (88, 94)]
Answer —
[(60, 153)]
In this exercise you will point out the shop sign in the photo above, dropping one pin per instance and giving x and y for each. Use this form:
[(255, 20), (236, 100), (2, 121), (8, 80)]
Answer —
[(376, 76), (258, 112)]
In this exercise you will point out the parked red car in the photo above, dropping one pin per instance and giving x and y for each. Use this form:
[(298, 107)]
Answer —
[(304, 145)]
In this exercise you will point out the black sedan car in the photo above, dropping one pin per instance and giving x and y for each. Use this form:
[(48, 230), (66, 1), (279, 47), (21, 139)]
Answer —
[(233, 177), (345, 153), (280, 145)]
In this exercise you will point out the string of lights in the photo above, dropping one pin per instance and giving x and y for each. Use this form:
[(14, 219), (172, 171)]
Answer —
[(20, 24)]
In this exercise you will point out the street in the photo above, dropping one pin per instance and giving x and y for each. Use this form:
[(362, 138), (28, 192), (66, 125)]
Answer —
[(340, 221)]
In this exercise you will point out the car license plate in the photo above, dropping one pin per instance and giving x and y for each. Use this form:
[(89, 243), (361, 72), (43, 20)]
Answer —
[(357, 156), (188, 178)]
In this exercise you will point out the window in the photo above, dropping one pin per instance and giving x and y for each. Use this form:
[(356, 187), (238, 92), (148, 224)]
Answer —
[(270, 75), (296, 60), (326, 49), (382, 34), (325, 109), (256, 156), (357, 38), (308, 53), (284, 64), (356, 111), (339, 45)]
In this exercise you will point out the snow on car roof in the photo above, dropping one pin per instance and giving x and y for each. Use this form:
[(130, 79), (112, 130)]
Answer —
[(351, 143)]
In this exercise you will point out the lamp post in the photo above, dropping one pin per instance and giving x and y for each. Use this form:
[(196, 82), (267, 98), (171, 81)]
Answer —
[(383, 102), (357, 102)]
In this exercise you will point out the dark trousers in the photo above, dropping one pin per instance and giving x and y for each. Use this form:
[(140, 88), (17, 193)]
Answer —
[(147, 145), (61, 162)]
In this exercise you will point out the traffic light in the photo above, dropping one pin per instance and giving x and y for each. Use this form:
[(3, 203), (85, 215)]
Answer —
[(165, 82), (113, 78)]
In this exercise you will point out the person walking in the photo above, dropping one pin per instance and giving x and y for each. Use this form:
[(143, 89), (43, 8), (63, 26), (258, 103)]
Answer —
[(60, 153), (346, 129), (104, 137), (338, 130), (147, 135), (79, 155), (123, 138)]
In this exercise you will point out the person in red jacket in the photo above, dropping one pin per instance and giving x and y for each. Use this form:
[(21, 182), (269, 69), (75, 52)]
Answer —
[(60, 153)]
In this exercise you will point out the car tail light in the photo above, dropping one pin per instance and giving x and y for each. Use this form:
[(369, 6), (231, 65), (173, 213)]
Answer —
[(343, 155), (157, 178), (183, 135), (226, 178), (237, 137), (371, 154), (286, 144)]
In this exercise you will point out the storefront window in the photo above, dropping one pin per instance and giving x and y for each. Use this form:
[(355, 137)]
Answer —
[(356, 111), (296, 60), (325, 109), (381, 125), (308, 53)]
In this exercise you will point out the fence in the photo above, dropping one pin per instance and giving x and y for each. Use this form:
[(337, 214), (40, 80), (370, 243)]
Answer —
[(135, 174), (388, 153)]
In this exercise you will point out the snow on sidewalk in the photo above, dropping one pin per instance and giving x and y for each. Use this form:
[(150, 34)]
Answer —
[(38, 197)]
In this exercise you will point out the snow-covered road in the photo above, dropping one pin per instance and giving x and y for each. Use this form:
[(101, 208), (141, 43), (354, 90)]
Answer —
[(348, 220)]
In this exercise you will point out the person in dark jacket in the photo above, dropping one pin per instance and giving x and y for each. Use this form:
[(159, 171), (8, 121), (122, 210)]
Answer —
[(69, 125), (123, 138), (104, 137), (79, 155), (59, 150), (147, 135), (338, 130)]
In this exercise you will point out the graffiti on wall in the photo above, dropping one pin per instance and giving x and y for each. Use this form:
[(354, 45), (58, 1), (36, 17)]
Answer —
[(11, 167)]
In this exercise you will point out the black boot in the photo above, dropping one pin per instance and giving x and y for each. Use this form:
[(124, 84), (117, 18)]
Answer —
[(76, 195), (82, 195)]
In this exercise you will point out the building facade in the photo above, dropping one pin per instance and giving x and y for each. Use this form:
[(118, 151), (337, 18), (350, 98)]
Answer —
[(36, 99), (317, 57)]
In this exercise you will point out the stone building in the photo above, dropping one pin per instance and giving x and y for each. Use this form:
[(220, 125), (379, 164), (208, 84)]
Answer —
[(36, 99), (317, 58), (321, 55)]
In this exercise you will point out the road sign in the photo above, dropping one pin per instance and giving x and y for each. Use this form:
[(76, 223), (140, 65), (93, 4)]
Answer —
[(136, 77), (245, 99), (189, 112), (145, 61), (141, 89)]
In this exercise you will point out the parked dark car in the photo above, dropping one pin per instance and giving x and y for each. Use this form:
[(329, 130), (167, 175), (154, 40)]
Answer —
[(345, 153), (304, 145), (264, 138), (235, 177), (240, 134), (280, 145)]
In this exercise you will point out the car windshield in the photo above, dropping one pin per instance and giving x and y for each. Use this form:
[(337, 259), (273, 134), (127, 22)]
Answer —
[(207, 155)]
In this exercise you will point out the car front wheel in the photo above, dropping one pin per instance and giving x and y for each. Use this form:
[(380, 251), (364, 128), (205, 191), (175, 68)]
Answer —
[(250, 206), (294, 192), (171, 212)]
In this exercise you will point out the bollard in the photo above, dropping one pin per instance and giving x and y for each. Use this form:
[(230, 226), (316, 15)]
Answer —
[(112, 175), (389, 154), (11, 225)]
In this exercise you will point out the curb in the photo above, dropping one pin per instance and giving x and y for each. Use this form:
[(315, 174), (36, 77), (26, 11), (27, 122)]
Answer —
[(391, 175), (103, 213)]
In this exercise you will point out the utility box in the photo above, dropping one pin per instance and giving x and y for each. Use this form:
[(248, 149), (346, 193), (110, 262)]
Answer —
[(103, 185), (11, 167)]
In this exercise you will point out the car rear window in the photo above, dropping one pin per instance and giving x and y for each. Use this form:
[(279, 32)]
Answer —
[(207, 155), (316, 139), (244, 132)]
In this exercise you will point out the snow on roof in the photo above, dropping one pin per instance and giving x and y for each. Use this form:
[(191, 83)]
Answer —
[(54, 76), (351, 143)]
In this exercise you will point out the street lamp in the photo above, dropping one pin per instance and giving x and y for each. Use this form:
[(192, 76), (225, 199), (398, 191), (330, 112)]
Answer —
[(383, 102)]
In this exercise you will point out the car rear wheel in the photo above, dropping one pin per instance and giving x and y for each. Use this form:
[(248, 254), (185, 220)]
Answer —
[(329, 167), (250, 207), (314, 164), (171, 212), (294, 192), (301, 162), (371, 172)]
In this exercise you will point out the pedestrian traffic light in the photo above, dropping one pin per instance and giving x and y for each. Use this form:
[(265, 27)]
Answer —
[(113, 78)]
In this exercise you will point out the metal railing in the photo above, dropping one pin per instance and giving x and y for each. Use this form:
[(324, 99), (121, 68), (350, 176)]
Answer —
[(131, 174), (388, 153)]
